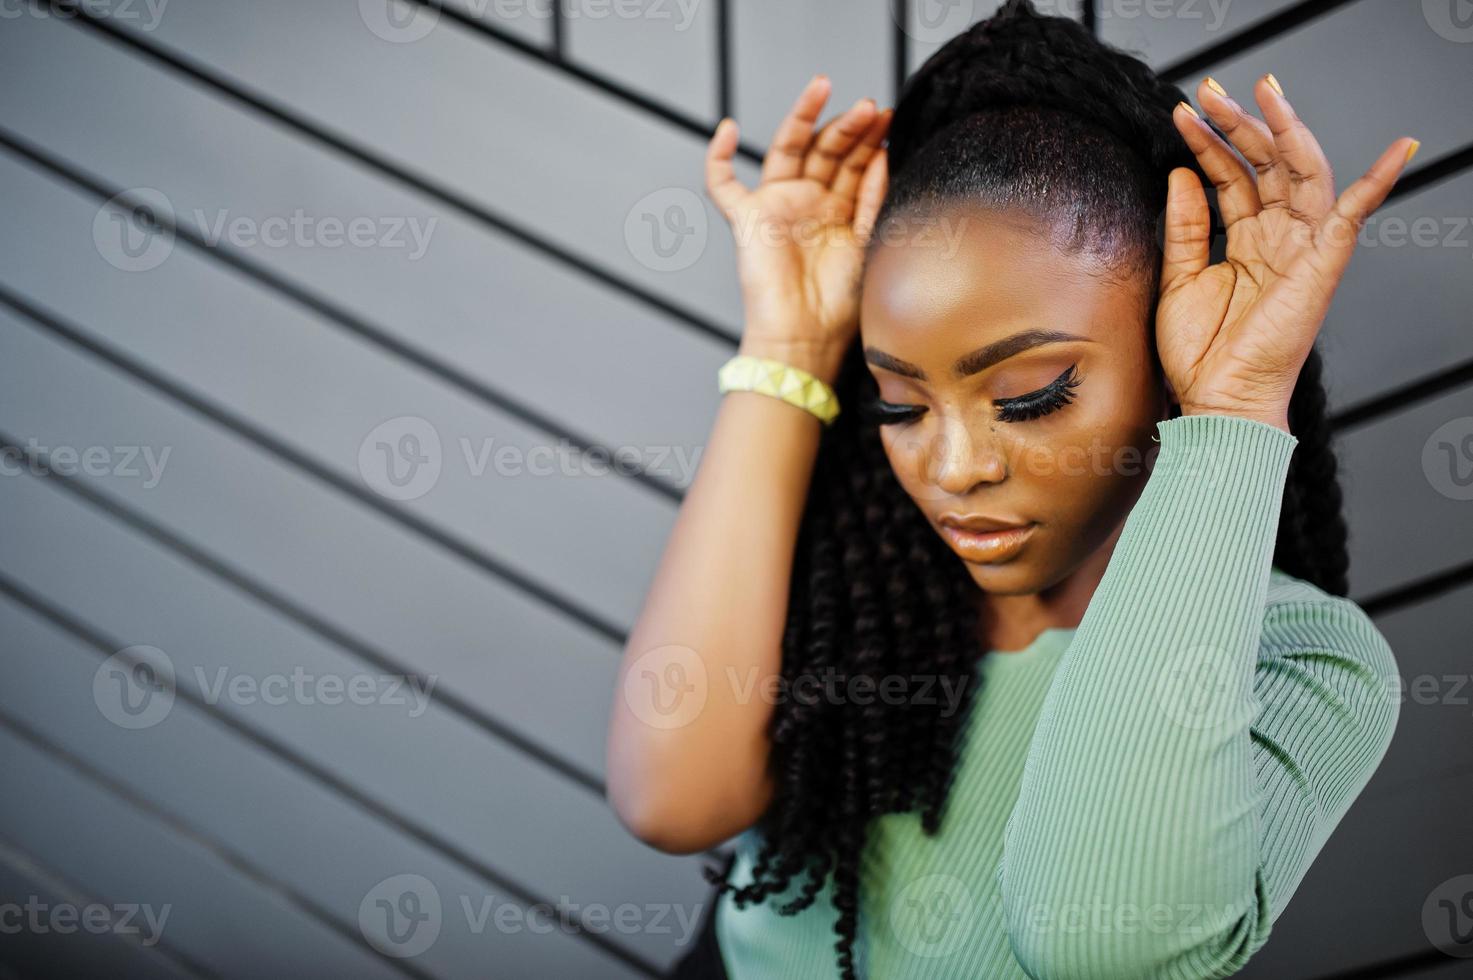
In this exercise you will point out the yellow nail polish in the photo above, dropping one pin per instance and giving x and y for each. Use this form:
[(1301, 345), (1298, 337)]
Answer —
[(1188, 107), (1275, 83), (1412, 150), (1212, 84)]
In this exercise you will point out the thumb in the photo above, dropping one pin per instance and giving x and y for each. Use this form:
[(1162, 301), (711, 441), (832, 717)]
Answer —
[(1187, 246), (872, 188)]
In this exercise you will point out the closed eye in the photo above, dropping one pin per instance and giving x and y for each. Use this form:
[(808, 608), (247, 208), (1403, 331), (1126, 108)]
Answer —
[(1036, 404)]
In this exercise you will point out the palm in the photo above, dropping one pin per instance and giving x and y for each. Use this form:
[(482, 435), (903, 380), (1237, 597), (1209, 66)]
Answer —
[(816, 256), (801, 232), (1233, 335)]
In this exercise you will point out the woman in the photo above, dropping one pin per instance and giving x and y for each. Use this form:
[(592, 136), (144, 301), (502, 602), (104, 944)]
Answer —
[(1035, 659)]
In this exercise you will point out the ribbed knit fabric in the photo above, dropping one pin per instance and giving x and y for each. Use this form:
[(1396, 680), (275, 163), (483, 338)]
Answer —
[(1138, 797)]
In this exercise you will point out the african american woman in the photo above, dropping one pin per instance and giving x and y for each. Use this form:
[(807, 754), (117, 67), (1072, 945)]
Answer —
[(1003, 629)]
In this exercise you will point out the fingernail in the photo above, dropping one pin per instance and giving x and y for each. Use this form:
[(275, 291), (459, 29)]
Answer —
[(1274, 82), (1188, 107), (1212, 84), (1412, 150)]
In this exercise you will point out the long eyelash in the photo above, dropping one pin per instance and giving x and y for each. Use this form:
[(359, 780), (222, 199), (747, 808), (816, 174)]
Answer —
[(1054, 396), (877, 411)]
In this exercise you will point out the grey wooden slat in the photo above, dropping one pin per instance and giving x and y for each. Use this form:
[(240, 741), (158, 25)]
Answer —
[(309, 838), (530, 20), (1362, 900), (329, 396), (778, 46), (547, 151), (1356, 113), (119, 855), (271, 522), (1407, 517), (1432, 731), (1164, 33), (547, 336), (446, 608), (664, 49), (1404, 309), (78, 952)]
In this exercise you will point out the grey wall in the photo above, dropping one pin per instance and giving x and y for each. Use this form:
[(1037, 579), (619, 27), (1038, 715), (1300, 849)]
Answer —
[(219, 313)]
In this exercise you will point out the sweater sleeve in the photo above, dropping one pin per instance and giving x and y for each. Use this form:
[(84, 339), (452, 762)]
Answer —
[(1196, 746)]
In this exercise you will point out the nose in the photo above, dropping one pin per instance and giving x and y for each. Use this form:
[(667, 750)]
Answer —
[(955, 460)]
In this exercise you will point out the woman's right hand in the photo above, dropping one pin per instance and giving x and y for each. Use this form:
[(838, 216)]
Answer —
[(802, 231)]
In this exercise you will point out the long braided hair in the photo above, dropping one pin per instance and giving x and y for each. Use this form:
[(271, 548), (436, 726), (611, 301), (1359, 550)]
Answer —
[(1021, 110)]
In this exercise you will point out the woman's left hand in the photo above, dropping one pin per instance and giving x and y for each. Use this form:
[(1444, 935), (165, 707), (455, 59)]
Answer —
[(1233, 336)]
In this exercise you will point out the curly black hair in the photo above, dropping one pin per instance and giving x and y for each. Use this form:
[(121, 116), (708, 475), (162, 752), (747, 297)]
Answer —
[(1023, 111)]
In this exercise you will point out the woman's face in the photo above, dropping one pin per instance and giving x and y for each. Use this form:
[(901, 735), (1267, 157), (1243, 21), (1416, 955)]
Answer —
[(1030, 388)]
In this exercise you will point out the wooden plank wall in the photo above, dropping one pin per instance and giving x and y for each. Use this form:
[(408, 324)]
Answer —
[(314, 321)]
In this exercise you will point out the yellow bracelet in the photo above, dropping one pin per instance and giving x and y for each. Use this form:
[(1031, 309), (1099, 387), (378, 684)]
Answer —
[(766, 376)]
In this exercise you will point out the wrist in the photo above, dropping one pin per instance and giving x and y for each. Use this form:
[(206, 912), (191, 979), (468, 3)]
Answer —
[(820, 358), (1274, 415)]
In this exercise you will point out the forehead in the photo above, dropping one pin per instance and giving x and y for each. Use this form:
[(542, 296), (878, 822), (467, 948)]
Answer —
[(978, 275)]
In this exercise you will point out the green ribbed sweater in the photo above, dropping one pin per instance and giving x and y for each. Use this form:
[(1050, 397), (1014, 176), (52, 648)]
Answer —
[(1140, 796)]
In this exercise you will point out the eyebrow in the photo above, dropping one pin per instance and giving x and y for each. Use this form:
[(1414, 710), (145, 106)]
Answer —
[(978, 360)]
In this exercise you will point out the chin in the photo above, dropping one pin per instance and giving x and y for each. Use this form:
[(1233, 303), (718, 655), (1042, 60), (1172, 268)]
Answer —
[(1014, 577)]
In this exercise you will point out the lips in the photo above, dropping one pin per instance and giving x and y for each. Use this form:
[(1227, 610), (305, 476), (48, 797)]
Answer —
[(984, 540)]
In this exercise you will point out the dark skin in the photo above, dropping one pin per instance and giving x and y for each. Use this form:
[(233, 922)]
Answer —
[(1074, 472)]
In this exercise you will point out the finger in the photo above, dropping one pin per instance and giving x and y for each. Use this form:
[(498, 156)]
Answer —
[(784, 158), (1337, 235), (872, 187), (721, 180), (1187, 246), (852, 170), (1237, 187), (1311, 181), (1250, 136), (836, 139)]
